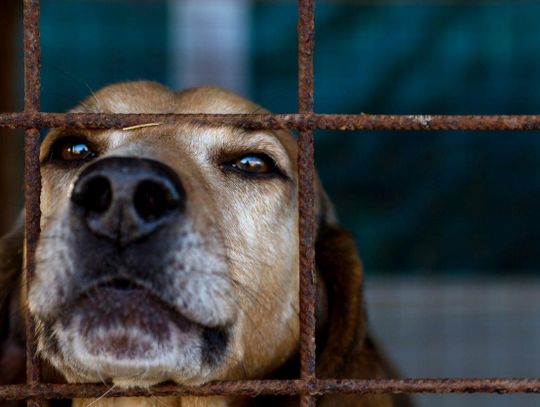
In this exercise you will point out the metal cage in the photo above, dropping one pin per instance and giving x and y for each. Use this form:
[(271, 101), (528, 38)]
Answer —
[(308, 387)]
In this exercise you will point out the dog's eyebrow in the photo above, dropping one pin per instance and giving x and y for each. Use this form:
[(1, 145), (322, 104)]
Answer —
[(253, 138), (251, 132)]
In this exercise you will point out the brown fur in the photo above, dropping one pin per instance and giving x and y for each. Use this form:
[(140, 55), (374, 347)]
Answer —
[(344, 348)]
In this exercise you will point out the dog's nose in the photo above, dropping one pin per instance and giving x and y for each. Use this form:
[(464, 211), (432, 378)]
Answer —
[(125, 199)]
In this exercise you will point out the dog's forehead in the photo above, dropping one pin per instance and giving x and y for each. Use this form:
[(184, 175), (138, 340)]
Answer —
[(151, 97)]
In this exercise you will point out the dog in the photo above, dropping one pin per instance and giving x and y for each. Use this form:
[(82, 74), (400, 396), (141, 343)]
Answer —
[(170, 253)]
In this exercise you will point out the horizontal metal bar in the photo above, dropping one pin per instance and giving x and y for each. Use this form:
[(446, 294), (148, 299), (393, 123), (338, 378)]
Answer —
[(277, 387), (275, 121)]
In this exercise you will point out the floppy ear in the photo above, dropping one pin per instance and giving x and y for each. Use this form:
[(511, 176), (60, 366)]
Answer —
[(341, 320), (342, 326), (12, 343), (345, 349)]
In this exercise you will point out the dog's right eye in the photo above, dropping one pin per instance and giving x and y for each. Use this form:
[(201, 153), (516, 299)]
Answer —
[(255, 165), (70, 149)]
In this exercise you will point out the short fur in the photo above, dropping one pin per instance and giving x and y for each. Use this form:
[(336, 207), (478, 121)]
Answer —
[(228, 267)]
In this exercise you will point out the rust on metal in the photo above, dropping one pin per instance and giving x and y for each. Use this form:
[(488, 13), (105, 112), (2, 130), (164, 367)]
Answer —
[(32, 179), (306, 200), (305, 121), (32, 188), (255, 388), (32, 56), (306, 44), (306, 210)]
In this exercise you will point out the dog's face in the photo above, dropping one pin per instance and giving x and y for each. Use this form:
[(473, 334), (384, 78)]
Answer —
[(167, 252)]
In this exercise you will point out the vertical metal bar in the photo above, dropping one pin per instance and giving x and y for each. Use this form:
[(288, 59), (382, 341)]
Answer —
[(306, 207), (306, 35), (32, 176), (32, 56), (306, 210)]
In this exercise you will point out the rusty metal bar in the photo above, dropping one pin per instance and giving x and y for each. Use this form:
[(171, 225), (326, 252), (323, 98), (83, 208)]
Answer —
[(306, 200), (307, 294), (32, 179), (32, 56), (306, 44), (305, 121), (31, 191), (278, 387)]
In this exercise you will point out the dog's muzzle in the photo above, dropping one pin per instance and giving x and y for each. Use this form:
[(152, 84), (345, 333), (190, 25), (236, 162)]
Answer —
[(127, 282)]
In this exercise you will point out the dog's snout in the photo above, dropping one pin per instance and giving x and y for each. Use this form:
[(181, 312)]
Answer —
[(124, 199)]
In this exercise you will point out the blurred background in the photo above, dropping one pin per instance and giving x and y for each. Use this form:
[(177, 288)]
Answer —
[(447, 223)]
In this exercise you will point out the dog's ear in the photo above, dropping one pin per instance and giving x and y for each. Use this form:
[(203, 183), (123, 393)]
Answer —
[(12, 344), (341, 323)]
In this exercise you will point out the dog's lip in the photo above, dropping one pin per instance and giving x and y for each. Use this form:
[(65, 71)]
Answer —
[(134, 324), (109, 307), (133, 294)]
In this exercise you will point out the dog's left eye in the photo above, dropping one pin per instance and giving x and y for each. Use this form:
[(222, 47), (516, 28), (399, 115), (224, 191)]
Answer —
[(71, 149)]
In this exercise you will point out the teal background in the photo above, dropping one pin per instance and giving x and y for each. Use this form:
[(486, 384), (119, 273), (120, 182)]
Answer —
[(87, 44)]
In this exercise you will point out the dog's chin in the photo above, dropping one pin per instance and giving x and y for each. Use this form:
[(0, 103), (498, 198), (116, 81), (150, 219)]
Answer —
[(132, 338)]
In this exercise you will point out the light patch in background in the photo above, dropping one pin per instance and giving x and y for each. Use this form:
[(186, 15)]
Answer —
[(209, 44), (459, 328)]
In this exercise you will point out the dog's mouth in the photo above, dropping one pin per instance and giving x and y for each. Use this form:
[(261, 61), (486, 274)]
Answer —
[(122, 322)]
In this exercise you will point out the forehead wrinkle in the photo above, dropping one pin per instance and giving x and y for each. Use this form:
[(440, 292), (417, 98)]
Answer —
[(269, 133)]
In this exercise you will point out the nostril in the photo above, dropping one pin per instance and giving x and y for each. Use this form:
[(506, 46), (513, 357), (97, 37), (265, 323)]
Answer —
[(94, 195), (152, 200)]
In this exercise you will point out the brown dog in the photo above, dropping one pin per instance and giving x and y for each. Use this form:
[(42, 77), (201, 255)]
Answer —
[(170, 252)]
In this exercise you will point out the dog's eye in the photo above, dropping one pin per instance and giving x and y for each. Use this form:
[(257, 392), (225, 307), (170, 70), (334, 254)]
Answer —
[(255, 164), (71, 149)]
